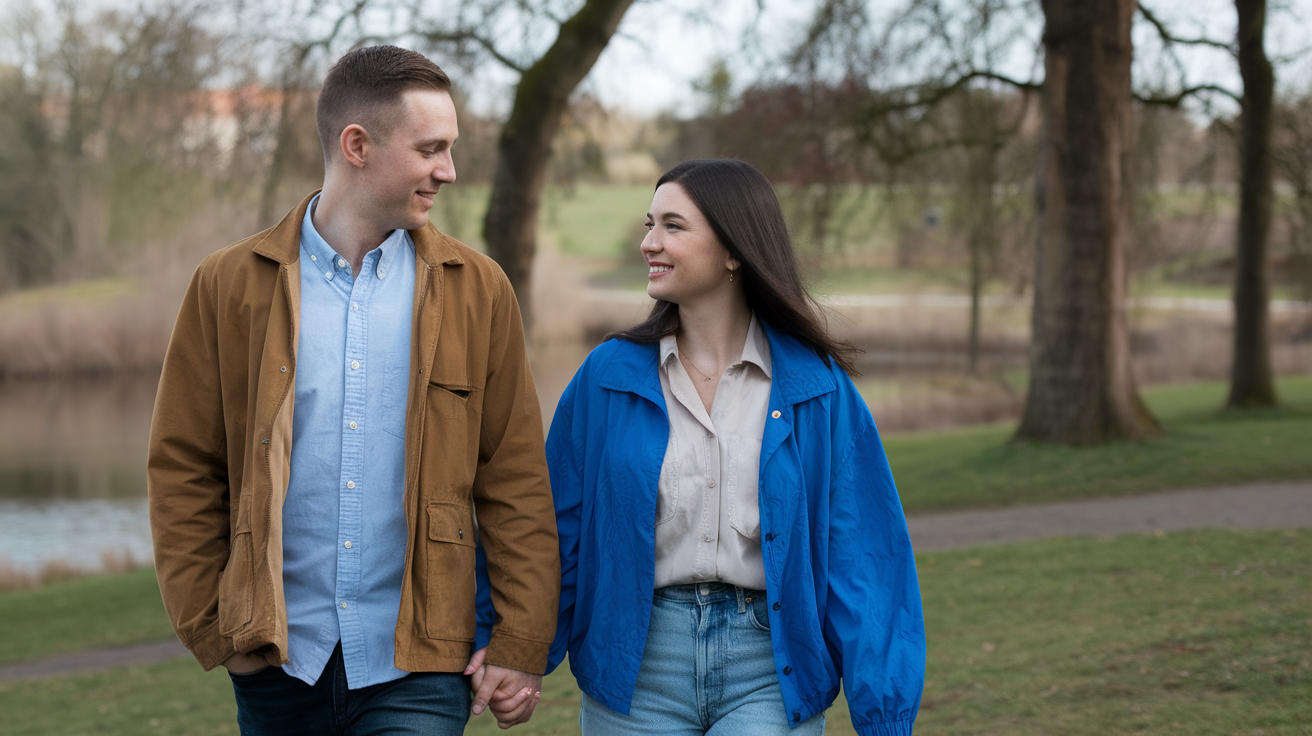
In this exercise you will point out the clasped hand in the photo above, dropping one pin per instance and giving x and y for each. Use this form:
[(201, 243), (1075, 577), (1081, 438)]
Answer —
[(511, 695)]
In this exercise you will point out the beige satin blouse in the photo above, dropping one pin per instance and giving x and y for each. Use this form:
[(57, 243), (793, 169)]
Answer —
[(708, 524)]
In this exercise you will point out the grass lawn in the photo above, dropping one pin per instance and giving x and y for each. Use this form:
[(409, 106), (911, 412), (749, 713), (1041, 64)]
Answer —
[(70, 616), (597, 220), (1199, 633), (1202, 446)]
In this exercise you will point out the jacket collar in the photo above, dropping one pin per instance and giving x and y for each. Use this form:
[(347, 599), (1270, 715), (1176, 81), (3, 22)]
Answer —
[(282, 242), (632, 368), (798, 374)]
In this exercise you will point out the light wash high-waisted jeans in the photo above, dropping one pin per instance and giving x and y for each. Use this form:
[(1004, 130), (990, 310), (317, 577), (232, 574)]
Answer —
[(708, 668)]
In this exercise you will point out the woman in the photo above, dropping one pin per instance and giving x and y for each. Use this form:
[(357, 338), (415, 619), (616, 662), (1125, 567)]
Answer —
[(731, 541)]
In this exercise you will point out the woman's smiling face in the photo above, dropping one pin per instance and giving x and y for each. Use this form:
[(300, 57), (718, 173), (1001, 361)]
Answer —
[(685, 260)]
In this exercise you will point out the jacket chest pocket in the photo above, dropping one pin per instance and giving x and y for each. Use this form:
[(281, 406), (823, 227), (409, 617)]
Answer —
[(450, 568), (744, 460), (450, 400)]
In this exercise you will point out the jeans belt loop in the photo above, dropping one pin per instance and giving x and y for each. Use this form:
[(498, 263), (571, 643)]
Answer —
[(742, 603)]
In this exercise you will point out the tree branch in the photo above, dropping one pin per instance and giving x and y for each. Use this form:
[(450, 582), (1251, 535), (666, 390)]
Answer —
[(1169, 38), (936, 94), (1178, 98), (436, 37)]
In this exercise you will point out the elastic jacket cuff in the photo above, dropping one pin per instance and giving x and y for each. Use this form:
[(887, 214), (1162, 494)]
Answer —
[(524, 655), (891, 728)]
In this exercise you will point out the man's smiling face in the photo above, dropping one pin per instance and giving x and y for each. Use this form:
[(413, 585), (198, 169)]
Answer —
[(405, 170)]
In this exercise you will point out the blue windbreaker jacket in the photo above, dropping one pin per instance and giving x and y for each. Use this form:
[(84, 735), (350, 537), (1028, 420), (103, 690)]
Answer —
[(840, 575)]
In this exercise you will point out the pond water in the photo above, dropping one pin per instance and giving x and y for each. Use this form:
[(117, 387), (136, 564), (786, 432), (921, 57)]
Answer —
[(73, 458), (73, 471)]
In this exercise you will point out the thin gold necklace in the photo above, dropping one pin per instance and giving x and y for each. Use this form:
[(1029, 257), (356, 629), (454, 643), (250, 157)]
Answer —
[(694, 367)]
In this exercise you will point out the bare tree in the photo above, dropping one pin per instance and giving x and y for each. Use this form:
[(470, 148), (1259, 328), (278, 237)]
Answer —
[(1251, 380), (1292, 152), (1081, 390), (524, 148), (100, 108)]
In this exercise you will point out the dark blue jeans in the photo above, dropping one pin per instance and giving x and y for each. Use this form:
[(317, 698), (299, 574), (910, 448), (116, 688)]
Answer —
[(270, 702)]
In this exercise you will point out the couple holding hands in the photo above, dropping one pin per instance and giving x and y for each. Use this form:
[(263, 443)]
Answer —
[(355, 513)]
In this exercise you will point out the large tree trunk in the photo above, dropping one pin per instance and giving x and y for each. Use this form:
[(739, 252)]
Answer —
[(1081, 390), (510, 228), (1251, 382)]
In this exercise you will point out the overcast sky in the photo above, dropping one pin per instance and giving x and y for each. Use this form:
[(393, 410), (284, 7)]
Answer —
[(664, 46), (661, 52)]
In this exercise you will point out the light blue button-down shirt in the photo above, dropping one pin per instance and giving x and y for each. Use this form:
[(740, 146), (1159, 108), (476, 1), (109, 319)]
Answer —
[(344, 528)]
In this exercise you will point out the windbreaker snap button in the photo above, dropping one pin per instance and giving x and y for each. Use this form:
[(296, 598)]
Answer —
[(775, 414)]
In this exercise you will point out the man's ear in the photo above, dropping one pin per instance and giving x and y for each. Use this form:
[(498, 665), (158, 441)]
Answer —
[(355, 143)]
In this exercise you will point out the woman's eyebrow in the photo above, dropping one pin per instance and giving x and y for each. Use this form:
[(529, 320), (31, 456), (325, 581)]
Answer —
[(667, 216)]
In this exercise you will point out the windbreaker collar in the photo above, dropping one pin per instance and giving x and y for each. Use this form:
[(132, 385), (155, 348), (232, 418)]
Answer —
[(632, 368), (798, 373)]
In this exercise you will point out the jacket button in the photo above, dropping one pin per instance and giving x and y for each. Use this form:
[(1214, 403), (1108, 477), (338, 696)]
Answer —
[(797, 718), (776, 605), (788, 670), (775, 414), (769, 537), (283, 369)]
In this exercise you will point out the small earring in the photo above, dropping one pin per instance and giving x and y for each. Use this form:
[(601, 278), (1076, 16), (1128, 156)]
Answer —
[(731, 276)]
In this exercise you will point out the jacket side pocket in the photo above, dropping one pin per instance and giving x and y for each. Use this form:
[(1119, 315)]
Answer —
[(235, 595), (450, 582)]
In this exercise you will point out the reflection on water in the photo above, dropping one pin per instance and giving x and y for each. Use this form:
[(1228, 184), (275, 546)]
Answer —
[(74, 439), (73, 470), (76, 532), (73, 453)]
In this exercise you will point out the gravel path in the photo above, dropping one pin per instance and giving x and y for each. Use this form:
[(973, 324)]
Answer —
[(1256, 506)]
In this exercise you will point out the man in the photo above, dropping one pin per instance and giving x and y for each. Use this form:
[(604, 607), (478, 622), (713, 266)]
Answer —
[(343, 395)]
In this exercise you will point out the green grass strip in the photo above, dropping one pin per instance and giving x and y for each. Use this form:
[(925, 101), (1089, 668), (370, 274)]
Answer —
[(1204, 633), (1203, 446), (75, 615)]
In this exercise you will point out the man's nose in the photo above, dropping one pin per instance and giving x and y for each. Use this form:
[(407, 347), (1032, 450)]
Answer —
[(445, 171)]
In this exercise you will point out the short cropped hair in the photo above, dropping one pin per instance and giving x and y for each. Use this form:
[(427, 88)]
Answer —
[(364, 88)]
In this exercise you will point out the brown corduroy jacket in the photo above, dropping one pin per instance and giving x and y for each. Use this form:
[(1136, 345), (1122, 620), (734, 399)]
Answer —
[(220, 459)]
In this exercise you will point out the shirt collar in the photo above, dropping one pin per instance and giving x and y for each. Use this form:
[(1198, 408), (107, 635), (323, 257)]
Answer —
[(332, 265), (756, 350)]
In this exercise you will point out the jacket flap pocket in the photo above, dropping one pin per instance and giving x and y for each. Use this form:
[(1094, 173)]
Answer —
[(449, 522), (459, 386)]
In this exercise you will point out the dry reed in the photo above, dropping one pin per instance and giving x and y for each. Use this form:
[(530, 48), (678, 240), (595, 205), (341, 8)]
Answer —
[(112, 561)]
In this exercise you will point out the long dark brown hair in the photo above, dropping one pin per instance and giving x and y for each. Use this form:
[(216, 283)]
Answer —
[(745, 215)]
